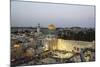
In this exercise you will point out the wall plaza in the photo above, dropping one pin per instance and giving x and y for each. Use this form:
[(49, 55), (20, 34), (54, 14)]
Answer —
[(43, 47)]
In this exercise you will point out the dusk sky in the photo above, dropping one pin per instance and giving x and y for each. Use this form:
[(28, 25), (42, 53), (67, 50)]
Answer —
[(29, 14)]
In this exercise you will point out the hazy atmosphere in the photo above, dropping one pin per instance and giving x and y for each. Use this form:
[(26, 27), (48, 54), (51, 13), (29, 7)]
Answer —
[(29, 14), (49, 33)]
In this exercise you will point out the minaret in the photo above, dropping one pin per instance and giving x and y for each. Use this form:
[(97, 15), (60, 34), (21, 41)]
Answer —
[(38, 29)]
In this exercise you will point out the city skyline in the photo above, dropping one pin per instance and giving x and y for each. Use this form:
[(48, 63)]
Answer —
[(29, 14)]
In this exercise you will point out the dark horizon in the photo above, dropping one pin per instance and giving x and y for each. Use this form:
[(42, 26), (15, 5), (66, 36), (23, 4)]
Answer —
[(56, 27)]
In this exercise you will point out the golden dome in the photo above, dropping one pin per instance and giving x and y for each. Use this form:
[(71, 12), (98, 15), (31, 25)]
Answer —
[(51, 27)]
